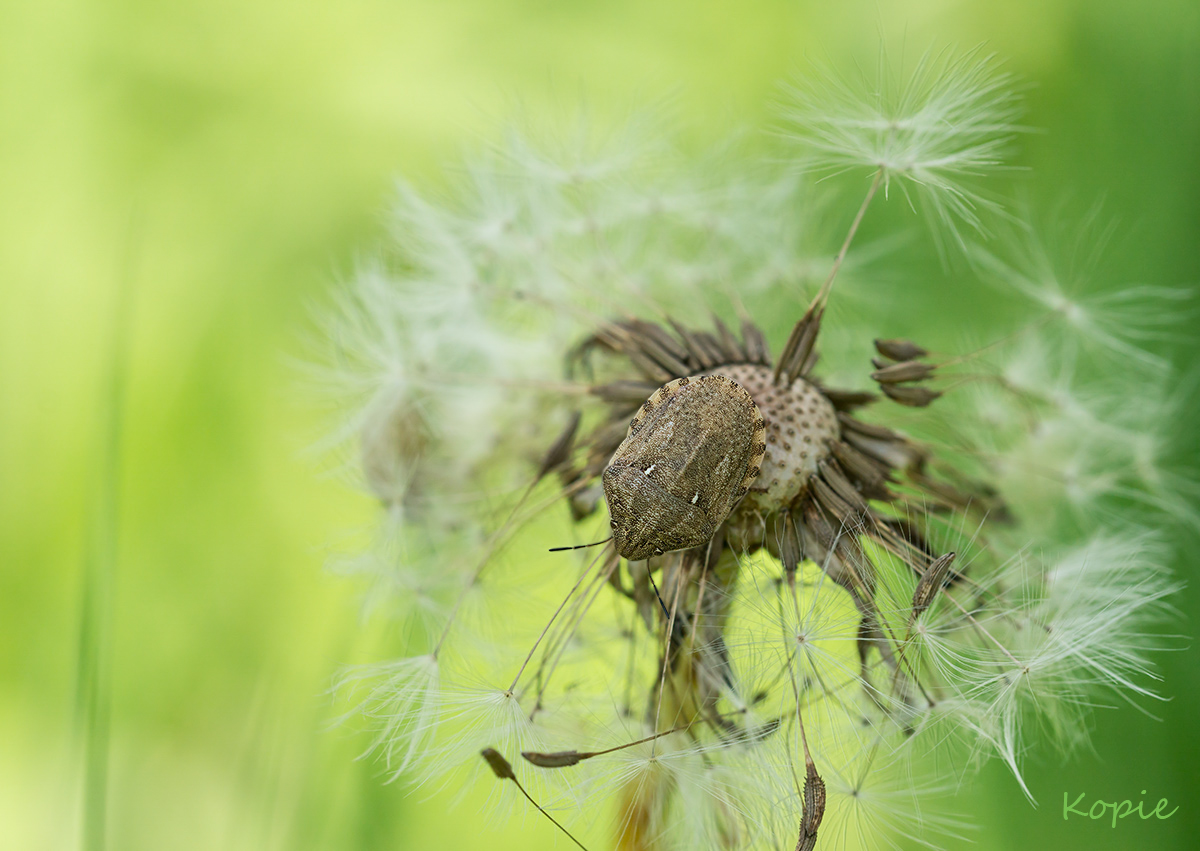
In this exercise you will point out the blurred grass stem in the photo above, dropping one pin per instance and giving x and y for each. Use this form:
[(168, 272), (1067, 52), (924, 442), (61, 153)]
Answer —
[(93, 688)]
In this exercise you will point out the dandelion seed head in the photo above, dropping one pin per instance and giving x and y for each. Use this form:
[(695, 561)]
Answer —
[(913, 570)]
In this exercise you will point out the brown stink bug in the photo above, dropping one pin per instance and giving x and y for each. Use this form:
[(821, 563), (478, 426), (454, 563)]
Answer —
[(690, 454)]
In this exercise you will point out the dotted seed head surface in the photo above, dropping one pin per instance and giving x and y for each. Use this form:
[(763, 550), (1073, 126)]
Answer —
[(692, 451), (800, 423)]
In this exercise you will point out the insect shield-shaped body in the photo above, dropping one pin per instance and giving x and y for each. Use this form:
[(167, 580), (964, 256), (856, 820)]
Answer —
[(690, 454)]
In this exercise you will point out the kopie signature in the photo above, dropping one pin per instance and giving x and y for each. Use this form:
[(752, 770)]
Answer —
[(1112, 809)]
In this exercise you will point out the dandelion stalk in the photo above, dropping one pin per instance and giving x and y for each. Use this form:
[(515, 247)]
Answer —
[(810, 322), (503, 771), (823, 294)]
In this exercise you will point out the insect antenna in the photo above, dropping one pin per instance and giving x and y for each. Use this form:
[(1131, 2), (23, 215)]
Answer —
[(661, 604), (580, 546), (503, 770)]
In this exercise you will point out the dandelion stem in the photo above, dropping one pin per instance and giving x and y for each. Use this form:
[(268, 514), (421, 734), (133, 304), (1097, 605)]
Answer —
[(662, 681), (823, 293), (560, 643), (796, 355), (563, 759), (975, 623), (436, 380), (698, 613), (549, 624), (490, 548), (503, 771)]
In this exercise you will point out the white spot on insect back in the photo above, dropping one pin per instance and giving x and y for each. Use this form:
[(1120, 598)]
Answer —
[(650, 469), (695, 497)]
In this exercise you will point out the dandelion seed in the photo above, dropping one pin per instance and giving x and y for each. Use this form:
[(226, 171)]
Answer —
[(402, 703), (930, 132), (1087, 312)]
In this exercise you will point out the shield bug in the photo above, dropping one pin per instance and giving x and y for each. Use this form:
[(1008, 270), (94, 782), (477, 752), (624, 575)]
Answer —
[(690, 454)]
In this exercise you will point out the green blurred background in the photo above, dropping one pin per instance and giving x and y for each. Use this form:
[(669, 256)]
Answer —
[(220, 166)]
